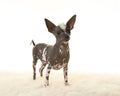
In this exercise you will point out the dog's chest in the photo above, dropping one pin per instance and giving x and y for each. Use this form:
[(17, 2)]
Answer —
[(59, 57)]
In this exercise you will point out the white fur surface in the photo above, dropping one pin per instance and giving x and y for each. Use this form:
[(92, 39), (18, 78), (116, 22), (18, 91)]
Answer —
[(44, 54), (62, 26), (81, 84)]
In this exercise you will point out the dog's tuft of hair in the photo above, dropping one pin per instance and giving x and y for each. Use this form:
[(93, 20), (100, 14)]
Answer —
[(62, 26)]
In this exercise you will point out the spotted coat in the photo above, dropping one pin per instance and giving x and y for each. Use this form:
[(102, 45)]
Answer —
[(55, 56)]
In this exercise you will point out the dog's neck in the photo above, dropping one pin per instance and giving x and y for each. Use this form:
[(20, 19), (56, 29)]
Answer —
[(64, 44), (61, 47)]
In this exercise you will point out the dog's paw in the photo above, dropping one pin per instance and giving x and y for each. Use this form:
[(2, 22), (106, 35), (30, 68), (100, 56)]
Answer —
[(34, 78), (41, 74), (45, 85), (67, 84)]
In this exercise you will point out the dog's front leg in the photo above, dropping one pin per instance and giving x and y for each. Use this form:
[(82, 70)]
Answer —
[(65, 71), (47, 76)]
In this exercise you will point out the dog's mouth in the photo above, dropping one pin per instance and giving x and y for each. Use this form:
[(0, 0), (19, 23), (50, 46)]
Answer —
[(67, 39)]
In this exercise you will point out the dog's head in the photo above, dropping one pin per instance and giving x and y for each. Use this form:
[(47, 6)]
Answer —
[(62, 31)]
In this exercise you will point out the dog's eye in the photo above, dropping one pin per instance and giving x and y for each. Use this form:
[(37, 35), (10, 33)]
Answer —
[(58, 33)]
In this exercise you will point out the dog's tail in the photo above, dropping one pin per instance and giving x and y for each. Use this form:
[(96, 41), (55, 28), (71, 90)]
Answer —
[(33, 43)]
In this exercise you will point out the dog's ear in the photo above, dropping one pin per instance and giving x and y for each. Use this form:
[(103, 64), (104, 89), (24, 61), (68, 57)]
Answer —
[(50, 25), (71, 22)]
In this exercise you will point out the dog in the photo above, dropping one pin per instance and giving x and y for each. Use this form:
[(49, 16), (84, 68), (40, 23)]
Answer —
[(56, 56)]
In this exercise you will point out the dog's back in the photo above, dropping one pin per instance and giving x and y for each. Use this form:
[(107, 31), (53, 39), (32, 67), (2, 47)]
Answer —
[(40, 52)]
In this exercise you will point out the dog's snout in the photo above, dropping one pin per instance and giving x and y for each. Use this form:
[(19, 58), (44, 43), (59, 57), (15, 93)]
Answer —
[(67, 37)]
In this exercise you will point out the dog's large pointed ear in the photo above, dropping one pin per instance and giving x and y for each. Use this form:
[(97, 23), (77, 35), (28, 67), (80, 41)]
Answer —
[(71, 22), (50, 25)]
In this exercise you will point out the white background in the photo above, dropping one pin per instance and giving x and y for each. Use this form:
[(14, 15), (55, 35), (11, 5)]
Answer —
[(95, 39)]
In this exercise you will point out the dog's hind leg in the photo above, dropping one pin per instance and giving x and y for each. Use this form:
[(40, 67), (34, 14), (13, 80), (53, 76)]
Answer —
[(34, 68), (41, 68)]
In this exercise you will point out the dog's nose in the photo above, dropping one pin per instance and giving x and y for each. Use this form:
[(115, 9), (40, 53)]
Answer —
[(67, 37)]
